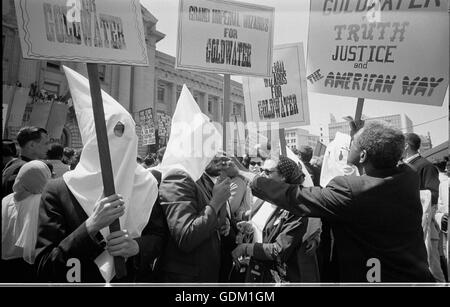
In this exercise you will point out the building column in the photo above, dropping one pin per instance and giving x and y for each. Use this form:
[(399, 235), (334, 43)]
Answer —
[(205, 103), (124, 86), (173, 98)]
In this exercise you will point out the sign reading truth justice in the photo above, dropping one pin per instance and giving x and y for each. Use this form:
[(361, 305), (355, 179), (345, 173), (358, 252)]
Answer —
[(225, 37), (393, 50), (97, 31)]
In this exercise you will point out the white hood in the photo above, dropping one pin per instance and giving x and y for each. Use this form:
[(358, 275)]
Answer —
[(137, 186), (194, 140)]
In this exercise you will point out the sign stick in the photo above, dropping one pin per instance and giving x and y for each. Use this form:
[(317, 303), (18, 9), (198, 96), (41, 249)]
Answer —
[(104, 153), (282, 141), (226, 108), (359, 109)]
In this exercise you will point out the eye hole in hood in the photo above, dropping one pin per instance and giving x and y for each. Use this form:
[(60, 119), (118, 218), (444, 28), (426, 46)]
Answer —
[(119, 129)]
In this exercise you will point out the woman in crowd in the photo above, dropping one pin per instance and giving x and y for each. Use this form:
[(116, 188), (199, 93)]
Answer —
[(20, 211), (277, 236)]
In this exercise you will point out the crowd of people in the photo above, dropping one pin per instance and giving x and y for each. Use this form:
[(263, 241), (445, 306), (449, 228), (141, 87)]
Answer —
[(236, 219)]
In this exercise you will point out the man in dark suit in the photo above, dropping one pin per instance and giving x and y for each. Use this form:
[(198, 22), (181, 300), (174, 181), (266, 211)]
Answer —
[(428, 173), (428, 180), (227, 225), (376, 217), (34, 144), (65, 232), (305, 154), (192, 253)]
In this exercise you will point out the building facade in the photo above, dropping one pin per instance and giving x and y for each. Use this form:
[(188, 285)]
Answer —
[(398, 121), (154, 89), (295, 137)]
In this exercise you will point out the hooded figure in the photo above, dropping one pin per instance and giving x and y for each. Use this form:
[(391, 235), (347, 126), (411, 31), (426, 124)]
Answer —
[(137, 186), (192, 253), (20, 212)]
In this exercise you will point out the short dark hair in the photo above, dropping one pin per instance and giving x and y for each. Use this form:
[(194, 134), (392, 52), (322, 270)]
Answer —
[(68, 152), (384, 145), (149, 161), (28, 134), (306, 153), (413, 140), (9, 148), (441, 165), (55, 152)]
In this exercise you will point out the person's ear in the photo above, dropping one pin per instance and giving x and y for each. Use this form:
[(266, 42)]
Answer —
[(362, 156)]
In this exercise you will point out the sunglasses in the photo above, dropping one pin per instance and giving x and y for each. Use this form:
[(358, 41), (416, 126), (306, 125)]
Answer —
[(252, 163)]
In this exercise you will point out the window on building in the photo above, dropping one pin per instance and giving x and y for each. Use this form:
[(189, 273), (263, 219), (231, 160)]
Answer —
[(238, 110), (53, 65), (51, 88), (101, 72), (210, 106), (161, 93)]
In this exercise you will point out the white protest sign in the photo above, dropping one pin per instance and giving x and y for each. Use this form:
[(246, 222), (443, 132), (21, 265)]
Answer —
[(95, 31), (225, 37), (283, 97), (378, 49)]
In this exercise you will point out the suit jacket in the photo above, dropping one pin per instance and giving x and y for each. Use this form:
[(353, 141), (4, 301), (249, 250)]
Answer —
[(429, 177), (227, 243), (192, 253), (373, 218), (62, 235), (282, 238)]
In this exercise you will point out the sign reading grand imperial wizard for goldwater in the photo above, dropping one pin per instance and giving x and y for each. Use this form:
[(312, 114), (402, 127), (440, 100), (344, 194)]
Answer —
[(395, 50), (225, 37), (96, 31)]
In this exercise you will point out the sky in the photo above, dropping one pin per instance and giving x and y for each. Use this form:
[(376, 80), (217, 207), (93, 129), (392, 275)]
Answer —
[(291, 26)]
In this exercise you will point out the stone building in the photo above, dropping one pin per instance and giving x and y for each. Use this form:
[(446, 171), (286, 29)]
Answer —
[(153, 88)]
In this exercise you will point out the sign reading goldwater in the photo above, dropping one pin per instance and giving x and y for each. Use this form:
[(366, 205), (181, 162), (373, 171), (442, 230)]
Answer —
[(225, 37), (96, 31), (283, 96), (378, 49)]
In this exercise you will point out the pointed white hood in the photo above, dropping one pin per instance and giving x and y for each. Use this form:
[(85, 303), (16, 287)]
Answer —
[(194, 140), (137, 185)]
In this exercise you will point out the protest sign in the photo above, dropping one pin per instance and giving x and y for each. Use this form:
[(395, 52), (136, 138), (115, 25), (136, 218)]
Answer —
[(283, 96), (96, 31), (145, 121), (225, 37), (92, 31), (379, 49)]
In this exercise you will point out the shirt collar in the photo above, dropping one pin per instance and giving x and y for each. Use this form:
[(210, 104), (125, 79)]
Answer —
[(213, 179), (408, 160)]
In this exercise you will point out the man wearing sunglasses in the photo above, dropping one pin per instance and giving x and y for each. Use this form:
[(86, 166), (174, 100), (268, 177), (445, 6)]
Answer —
[(376, 217)]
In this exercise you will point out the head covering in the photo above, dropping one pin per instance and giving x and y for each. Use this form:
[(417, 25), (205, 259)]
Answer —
[(31, 179), (290, 170), (20, 212), (137, 186), (193, 141)]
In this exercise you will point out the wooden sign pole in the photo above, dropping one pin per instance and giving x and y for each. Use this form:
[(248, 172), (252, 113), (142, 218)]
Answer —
[(359, 109), (226, 109), (282, 137), (103, 149), (357, 123)]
